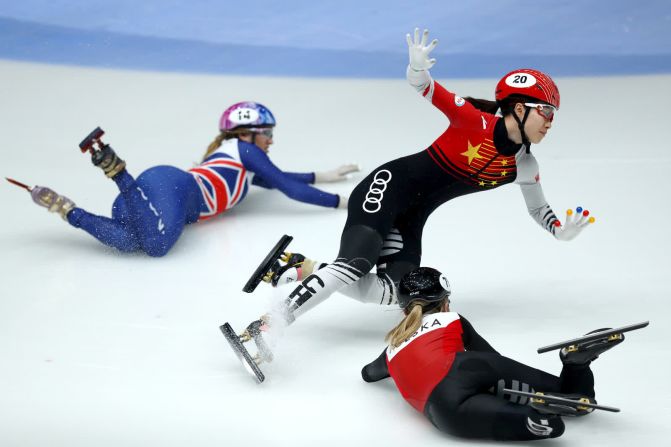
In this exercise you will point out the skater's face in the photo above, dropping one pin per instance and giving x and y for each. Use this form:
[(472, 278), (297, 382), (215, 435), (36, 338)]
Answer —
[(537, 124), (263, 138)]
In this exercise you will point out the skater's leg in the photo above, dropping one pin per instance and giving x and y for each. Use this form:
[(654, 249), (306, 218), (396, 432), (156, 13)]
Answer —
[(359, 249), (462, 411), (502, 372), (376, 288), (368, 220), (462, 404), (159, 203), (577, 379), (110, 232), (149, 214), (401, 253), (113, 232), (498, 372), (380, 287)]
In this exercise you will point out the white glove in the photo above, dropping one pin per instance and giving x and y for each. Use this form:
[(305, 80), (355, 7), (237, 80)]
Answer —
[(342, 203), (419, 51), (575, 223), (336, 175)]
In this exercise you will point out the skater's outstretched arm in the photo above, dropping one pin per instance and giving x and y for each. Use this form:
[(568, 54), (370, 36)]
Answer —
[(472, 340), (460, 112), (528, 178), (301, 177), (257, 161), (334, 175), (377, 369)]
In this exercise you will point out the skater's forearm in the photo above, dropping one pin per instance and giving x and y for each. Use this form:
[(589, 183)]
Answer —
[(538, 208), (377, 369)]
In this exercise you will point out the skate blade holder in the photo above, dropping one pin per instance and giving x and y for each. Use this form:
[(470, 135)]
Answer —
[(611, 338), (544, 399), (609, 334), (540, 399), (264, 267), (249, 362), (92, 140)]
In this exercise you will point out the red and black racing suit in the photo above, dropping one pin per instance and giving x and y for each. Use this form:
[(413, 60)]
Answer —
[(447, 371)]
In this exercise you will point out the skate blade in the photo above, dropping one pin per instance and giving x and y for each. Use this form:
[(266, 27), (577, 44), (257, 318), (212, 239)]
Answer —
[(19, 184), (266, 264), (241, 352), (544, 399), (592, 337)]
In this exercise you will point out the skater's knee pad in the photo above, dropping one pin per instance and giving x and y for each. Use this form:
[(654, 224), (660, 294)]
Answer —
[(360, 247)]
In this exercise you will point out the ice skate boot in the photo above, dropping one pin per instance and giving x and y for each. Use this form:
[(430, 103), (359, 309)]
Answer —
[(254, 331), (52, 201), (296, 268), (582, 353), (102, 155)]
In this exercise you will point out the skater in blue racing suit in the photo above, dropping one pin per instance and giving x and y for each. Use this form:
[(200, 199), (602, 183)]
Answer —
[(151, 210)]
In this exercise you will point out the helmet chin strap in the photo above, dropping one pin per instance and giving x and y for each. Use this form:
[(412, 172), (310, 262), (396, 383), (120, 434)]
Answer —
[(520, 124)]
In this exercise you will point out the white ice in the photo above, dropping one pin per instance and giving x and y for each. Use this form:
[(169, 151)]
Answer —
[(99, 348)]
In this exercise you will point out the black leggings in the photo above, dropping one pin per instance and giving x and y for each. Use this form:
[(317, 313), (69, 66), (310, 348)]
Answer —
[(387, 212), (385, 218), (469, 401)]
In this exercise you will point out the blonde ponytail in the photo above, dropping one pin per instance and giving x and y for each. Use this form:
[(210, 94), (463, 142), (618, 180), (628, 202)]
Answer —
[(223, 136), (413, 319), (216, 144), (407, 326)]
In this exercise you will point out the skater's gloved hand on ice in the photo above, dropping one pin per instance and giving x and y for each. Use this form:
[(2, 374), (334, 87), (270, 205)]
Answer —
[(342, 203), (419, 51), (574, 224), (336, 175)]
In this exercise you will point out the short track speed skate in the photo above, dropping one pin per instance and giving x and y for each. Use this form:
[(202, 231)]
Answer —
[(252, 332), (92, 141), (584, 349), (265, 270), (102, 155), (561, 405)]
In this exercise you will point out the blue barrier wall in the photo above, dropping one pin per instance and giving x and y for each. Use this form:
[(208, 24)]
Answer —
[(350, 38)]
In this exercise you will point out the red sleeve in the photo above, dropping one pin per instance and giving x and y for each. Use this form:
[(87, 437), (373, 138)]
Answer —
[(460, 112)]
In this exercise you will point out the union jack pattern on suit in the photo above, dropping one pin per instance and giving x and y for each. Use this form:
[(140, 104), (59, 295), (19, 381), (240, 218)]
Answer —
[(223, 182)]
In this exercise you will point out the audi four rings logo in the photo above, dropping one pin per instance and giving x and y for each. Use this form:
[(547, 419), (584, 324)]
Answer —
[(376, 191)]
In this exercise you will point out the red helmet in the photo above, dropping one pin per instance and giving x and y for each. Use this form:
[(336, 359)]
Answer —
[(528, 82)]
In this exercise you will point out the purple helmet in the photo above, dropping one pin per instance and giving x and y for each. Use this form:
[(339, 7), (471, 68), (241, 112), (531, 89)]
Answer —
[(247, 114)]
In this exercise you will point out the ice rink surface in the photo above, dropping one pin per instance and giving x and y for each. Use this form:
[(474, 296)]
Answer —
[(99, 348)]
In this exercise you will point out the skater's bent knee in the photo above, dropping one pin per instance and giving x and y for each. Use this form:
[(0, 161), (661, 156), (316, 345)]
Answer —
[(157, 250), (361, 244)]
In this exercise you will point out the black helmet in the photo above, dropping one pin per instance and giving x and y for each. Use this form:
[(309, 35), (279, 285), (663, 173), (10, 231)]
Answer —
[(423, 283)]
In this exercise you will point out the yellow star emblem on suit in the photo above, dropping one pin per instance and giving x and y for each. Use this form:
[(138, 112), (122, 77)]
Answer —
[(504, 162), (482, 183), (472, 152), (494, 183), (503, 174)]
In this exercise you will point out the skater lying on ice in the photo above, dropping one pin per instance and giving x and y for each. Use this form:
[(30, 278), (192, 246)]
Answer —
[(448, 372), (151, 211)]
